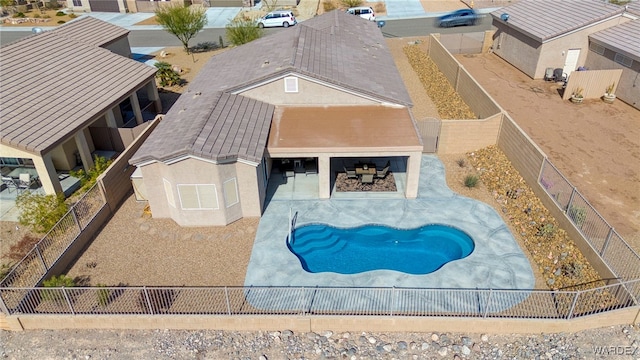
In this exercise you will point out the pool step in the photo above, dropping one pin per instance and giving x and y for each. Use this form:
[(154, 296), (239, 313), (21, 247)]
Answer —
[(317, 245)]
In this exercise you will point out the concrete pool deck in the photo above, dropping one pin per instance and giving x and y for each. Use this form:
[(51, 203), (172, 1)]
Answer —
[(497, 261)]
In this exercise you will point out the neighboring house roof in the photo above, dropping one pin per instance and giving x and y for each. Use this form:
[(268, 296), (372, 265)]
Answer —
[(338, 49), (633, 7), (331, 48), (91, 31), (221, 127), (623, 38), (53, 86), (544, 20)]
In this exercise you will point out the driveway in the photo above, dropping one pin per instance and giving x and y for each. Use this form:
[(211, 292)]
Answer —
[(595, 145)]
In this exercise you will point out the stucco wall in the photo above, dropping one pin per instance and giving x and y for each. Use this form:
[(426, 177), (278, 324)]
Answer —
[(120, 47), (460, 136), (194, 171), (515, 48), (309, 93), (628, 89)]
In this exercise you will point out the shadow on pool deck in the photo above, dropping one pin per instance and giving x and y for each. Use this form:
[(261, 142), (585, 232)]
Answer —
[(496, 263)]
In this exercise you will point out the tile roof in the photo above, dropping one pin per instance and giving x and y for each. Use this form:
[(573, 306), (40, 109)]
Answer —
[(633, 7), (341, 50), (334, 48), (543, 20), (623, 38), (52, 86), (91, 31), (219, 126)]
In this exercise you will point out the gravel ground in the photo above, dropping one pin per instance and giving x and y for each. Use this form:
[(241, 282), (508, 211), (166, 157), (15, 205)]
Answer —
[(619, 342)]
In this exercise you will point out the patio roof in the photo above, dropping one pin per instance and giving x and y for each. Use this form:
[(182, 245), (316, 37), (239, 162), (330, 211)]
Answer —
[(623, 38), (342, 129)]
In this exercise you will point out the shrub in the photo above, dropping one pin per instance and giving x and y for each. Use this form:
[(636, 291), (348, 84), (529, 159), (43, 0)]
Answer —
[(36, 16), (546, 230), (471, 181), (46, 16), (578, 215), (166, 75), (60, 13), (460, 162), (103, 295), (73, 16), (40, 212), (61, 22), (328, 6), (243, 31), (19, 15), (100, 164), (351, 3), (56, 282), (4, 270)]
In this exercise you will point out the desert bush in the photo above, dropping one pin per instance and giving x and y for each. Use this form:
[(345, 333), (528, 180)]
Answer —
[(578, 215), (460, 162), (40, 212), (328, 6), (379, 7), (19, 15), (243, 31), (103, 295), (56, 282), (471, 181), (61, 22), (36, 16), (60, 13), (166, 75), (87, 179), (73, 16), (351, 3)]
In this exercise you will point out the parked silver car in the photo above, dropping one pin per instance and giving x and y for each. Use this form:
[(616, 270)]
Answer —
[(277, 18)]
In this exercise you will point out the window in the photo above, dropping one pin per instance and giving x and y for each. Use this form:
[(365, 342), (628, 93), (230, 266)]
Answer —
[(598, 49), (623, 60), (198, 197), (169, 192), (291, 84), (230, 188), (77, 2)]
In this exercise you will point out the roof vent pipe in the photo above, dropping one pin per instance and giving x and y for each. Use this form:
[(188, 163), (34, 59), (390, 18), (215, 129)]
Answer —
[(504, 17)]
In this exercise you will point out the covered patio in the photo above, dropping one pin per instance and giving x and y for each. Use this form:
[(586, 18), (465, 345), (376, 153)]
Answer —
[(341, 137)]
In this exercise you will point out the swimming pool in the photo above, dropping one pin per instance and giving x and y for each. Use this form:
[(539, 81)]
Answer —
[(418, 251)]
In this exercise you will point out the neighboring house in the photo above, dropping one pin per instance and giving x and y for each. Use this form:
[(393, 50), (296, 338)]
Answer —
[(534, 35), (124, 6), (619, 48), (65, 95), (316, 95)]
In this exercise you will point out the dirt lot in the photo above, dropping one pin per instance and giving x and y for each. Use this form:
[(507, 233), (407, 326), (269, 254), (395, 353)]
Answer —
[(595, 145)]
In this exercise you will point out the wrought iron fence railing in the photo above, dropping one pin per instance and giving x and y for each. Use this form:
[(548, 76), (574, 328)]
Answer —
[(485, 303), (33, 266), (611, 247)]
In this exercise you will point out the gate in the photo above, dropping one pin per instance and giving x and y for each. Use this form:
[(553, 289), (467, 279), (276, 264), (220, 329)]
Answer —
[(465, 43), (104, 5), (429, 129)]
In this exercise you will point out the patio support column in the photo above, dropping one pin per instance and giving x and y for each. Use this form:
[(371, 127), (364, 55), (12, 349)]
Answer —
[(83, 148), (152, 92), (47, 174), (413, 175), (135, 105), (324, 176), (111, 119)]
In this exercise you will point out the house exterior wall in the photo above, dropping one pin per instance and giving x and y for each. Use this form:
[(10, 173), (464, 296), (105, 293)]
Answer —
[(517, 49), (120, 47), (194, 171), (309, 93), (628, 89)]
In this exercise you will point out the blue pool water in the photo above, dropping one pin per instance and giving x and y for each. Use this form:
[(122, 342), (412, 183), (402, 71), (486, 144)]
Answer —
[(324, 248)]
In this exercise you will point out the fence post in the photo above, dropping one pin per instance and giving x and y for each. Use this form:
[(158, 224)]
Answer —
[(37, 247), (75, 218), (3, 306), (66, 296), (146, 296), (606, 242), (393, 300), (573, 305), (226, 296), (573, 193), (486, 309)]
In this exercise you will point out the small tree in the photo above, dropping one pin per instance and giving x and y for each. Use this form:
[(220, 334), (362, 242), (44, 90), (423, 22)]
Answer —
[(40, 212), (166, 75), (87, 179), (181, 21), (243, 31)]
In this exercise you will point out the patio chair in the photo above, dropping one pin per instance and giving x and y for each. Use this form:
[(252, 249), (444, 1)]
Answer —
[(367, 179), (9, 183), (24, 182), (351, 174), (381, 174)]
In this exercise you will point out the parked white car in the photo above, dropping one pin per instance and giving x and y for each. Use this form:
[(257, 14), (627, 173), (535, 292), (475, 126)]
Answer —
[(364, 12), (277, 18)]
